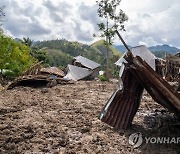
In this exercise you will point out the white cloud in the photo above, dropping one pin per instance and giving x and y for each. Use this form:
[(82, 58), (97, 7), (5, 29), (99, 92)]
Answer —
[(148, 41), (150, 21)]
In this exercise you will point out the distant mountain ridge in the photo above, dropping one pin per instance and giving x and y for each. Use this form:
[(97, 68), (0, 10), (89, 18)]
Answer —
[(157, 48), (164, 47)]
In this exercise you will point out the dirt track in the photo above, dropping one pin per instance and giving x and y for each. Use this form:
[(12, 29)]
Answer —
[(64, 119)]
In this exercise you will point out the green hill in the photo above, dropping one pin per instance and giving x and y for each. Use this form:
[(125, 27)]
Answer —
[(99, 45), (57, 57), (60, 52), (114, 54)]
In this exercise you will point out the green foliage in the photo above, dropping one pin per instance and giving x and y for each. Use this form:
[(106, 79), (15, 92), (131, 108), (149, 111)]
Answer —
[(161, 54), (103, 78), (41, 55), (115, 17), (14, 56), (114, 55), (57, 57), (27, 41), (61, 52)]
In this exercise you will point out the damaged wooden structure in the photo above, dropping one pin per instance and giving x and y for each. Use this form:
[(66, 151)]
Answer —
[(135, 76), (169, 67), (37, 76)]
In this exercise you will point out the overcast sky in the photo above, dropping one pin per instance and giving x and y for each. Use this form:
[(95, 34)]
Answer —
[(151, 22)]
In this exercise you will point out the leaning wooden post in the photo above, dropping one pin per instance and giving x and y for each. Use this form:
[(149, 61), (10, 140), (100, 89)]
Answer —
[(124, 43)]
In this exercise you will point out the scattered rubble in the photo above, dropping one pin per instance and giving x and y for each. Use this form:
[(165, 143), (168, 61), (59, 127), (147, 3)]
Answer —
[(37, 76)]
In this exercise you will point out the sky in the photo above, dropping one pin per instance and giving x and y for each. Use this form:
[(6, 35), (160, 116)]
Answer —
[(151, 22)]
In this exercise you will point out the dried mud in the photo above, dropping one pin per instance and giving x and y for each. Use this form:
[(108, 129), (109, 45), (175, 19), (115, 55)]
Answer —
[(64, 119)]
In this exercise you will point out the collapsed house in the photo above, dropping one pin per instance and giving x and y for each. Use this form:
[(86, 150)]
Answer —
[(37, 76), (82, 68), (137, 72)]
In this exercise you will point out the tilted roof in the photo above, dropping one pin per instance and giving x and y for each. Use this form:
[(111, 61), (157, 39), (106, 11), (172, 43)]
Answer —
[(86, 62), (143, 52), (76, 73)]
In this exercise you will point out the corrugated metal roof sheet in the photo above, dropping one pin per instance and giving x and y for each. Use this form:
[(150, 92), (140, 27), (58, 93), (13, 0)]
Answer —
[(123, 104), (121, 107), (77, 73), (86, 62)]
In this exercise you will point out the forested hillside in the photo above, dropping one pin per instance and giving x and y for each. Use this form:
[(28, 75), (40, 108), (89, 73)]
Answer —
[(60, 52)]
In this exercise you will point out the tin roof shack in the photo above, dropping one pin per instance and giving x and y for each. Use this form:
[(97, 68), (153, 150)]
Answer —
[(137, 73), (82, 68)]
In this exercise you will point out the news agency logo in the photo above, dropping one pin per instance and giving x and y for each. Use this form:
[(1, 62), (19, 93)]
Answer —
[(136, 140)]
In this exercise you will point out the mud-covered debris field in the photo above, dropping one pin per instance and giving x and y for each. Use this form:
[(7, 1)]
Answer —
[(64, 119)]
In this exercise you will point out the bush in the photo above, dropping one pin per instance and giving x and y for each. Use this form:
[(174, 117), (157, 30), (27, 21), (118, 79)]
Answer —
[(14, 56), (103, 78)]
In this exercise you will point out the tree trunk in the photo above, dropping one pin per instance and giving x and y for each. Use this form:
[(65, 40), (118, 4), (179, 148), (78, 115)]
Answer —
[(107, 53)]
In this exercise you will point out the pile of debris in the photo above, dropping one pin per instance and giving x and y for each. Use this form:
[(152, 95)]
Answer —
[(81, 68), (137, 72), (38, 76)]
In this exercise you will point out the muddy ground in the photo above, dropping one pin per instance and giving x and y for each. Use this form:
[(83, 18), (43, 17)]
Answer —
[(64, 119)]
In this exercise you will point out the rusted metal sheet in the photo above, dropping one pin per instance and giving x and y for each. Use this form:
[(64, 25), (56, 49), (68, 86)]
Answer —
[(123, 104), (120, 110), (162, 92)]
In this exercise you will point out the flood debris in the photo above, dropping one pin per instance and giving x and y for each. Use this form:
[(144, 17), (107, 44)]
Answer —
[(52, 70), (82, 68), (37, 81), (37, 76), (172, 68), (137, 72), (33, 70)]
